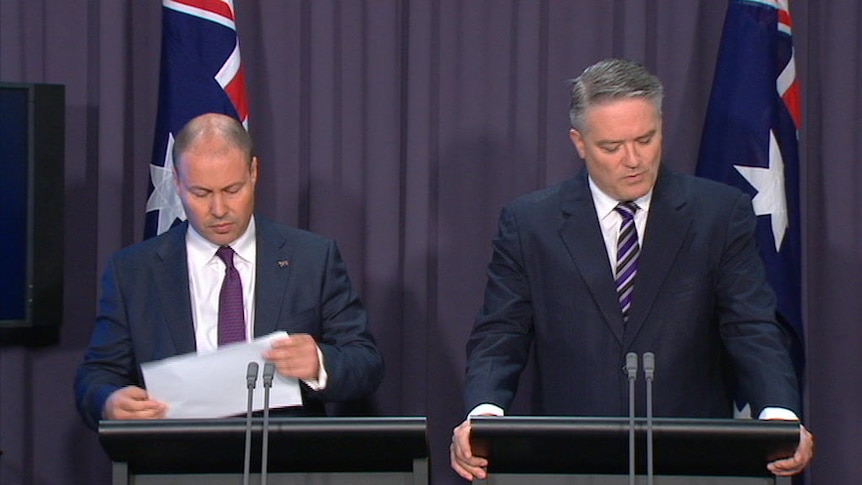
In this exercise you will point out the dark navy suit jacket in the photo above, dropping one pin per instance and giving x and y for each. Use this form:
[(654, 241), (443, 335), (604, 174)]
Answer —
[(302, 287), (701, 303)]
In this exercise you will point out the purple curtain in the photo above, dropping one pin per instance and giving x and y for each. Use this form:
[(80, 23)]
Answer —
[(400, 128)]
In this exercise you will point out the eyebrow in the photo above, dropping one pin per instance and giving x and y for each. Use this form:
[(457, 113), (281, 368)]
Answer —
[(226, 187), (616, 142)]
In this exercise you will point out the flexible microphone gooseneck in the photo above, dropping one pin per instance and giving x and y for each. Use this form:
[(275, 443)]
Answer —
[(250, 381), (649, 375), (631, 369), (268, 373)]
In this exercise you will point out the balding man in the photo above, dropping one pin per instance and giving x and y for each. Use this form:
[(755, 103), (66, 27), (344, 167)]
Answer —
[(161, 297)]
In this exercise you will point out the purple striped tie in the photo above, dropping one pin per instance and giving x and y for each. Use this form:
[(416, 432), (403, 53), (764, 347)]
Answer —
[(627, 256), (231, 318)]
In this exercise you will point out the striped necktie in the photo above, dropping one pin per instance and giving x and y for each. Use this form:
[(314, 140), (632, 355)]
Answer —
[(627, 256)]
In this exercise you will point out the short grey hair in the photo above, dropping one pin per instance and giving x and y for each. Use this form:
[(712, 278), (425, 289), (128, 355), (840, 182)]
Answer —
[(608, 80), (222, 126)]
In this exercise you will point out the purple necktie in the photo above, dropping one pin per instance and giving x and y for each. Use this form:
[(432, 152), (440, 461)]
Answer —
[(231, 318), (627, 256)]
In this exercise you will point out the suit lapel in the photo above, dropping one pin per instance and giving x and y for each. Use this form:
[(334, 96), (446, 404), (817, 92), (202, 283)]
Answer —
[(170, 272), (668, 224), (273, 268), (583, 238)]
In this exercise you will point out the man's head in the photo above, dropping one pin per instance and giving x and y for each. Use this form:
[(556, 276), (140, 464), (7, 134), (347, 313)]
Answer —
[(216, 175), (616, 126)]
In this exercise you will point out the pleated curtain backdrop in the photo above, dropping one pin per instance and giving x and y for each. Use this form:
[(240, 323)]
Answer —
[(400, 128)]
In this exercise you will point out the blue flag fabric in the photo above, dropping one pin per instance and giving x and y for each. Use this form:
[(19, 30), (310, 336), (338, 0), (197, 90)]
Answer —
[(750, 140), (201, 72)]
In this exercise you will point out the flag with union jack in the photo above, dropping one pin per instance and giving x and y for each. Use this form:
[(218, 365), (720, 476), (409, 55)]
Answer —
[(201, 72), (750, 140)]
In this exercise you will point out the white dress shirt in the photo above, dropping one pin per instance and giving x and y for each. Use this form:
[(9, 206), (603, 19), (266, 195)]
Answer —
[(206, 273), (610, 220)]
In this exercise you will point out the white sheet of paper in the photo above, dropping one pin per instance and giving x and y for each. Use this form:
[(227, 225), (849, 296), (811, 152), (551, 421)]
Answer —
[(214, 385)]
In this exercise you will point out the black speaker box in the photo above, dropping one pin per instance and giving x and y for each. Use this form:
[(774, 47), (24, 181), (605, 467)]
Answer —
[(32, 143)]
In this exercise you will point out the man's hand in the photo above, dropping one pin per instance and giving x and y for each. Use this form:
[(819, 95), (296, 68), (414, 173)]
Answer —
[(461, 457), (132, 402), (799, 460), (295, 356)]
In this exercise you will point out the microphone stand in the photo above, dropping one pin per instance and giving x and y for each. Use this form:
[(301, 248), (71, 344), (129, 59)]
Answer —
[(649, 374), (250, 381), (631, 369), (268, 373)]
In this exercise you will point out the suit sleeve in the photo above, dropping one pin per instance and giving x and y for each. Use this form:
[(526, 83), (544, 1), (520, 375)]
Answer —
[(351, 358), (757, 344), (498, 347), (108, 362)]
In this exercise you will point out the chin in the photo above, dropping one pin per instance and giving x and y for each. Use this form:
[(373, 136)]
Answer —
[(221, 239), (638, 190)]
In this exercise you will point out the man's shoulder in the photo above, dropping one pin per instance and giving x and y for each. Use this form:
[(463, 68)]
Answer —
[(269, 229), (700, 188), (704, 186), (169, 240), (539, 198)]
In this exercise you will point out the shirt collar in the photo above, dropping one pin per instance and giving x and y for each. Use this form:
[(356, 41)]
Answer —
[(200, 249), (605, 204)]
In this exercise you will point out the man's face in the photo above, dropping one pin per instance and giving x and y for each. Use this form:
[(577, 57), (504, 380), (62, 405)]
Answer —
[(216, 187), (621, 146)]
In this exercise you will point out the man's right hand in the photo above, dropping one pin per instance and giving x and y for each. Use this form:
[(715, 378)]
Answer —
[(461, 457), (132, 402)]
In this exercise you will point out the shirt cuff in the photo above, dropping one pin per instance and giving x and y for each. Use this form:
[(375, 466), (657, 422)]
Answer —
[(318, 384), (778, 413), (487, 409)]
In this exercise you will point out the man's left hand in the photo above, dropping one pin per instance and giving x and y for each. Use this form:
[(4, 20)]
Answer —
[(799, 460), (295, 356)]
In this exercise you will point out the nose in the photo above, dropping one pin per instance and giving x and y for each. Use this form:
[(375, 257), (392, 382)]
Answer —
[(218, 207), (631, 154)]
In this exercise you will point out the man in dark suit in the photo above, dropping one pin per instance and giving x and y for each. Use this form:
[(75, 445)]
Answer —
[(628, 257), (160, 297)]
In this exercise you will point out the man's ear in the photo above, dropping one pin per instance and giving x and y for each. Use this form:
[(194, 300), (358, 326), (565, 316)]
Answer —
[(176, 175), (578, 141)]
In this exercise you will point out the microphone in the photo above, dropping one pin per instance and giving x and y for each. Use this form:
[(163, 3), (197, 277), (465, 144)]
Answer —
[(250, 381), (268, 373), (649, 374), (631, 369)]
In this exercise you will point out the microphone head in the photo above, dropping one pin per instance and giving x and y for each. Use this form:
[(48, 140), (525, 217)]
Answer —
[(268, 373), (251, 374), (632, 364), (649, 364)]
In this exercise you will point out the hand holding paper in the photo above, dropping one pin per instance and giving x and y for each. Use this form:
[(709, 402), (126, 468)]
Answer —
[(214, 385), (295, 356)]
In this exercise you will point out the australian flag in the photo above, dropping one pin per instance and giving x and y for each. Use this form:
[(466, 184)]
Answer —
[(750, 140), (201, 72)]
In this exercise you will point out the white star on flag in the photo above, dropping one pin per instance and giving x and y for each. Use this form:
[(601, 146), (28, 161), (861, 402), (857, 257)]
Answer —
[(164, 197), (771, 198)]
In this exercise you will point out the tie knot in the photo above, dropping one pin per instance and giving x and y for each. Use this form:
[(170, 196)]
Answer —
[(226, 254), (627, 209)]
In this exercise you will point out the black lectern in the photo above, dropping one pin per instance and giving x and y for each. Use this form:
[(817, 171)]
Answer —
[(301, 450), (574, 450)]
